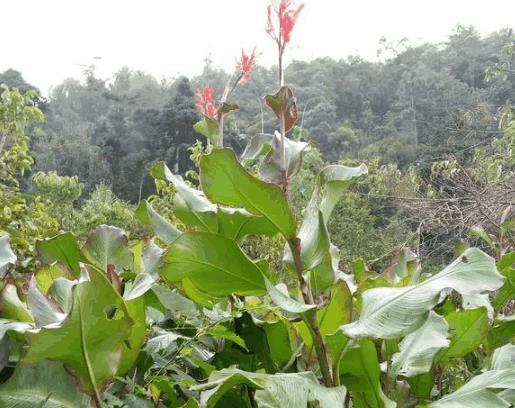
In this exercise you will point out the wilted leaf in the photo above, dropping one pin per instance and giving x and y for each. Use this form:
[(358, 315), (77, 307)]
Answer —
[(7, 256)]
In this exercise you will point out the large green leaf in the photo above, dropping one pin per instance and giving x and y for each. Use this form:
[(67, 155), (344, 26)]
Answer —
[(62, 248), (191, 205), (468, 329), (194, 209), (7, 256), (45, 384), (108, 245), (480, 391), (89, 341), (360, 372), (418, 348), (163, 229), (214, 264), (297, 390), (314, 237), (392, 312), (225, 181)]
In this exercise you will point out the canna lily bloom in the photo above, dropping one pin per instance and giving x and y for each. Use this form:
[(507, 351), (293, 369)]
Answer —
[(245, 65), (286, 16), (205, 101)]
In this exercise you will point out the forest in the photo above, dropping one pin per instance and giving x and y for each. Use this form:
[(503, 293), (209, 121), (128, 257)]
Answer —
[(334, 233)]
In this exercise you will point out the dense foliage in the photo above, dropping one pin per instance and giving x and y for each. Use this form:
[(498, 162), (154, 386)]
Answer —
[(242, 285)]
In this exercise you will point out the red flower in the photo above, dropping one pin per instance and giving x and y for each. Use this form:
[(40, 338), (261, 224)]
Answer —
[(205, 101), (245, 65), (287, 17)]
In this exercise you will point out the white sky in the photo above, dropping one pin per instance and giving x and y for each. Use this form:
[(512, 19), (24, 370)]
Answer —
[(49, 40)]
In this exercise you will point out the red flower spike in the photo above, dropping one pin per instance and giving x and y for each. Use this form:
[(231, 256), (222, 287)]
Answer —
[(286, 16), (245, 65), (206, 102)]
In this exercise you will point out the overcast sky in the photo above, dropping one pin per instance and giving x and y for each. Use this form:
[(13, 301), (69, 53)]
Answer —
[(49, 40)]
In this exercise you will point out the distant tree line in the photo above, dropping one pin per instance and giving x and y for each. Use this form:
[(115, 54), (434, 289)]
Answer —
[(420, 104)]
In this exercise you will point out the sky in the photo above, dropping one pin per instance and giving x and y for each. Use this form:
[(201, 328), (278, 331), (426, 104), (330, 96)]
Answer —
[(51, 40)]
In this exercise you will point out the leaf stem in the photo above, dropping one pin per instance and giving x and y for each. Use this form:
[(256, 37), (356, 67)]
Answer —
[(310, 317)]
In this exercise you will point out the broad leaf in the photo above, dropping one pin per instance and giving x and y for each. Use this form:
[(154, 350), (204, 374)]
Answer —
[(506, 266), (392, 312), (191, 205), (360, 372), (62, 248), (225, 181), (163, 229), (468, 329), (80, 342), (479, 392), (298, 390), (7, 256), (504, 357), (418, 348), (45, 384), (280, 296), (501, 332), (108, 245), (314, 236), (213, 263)]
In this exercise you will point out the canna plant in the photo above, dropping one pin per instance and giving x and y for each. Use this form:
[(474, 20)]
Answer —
[(188, 319)]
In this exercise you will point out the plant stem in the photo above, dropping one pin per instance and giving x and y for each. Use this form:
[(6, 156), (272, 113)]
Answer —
[(284, 175), (220, 137), (310, 317)]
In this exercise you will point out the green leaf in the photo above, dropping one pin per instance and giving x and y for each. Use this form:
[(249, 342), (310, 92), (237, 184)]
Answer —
[(468, 329), (163, 229), (45, 384), (330, 318), (296, 390), (504, 357), (502, 331), (270, 146), (255, 338), (479, 392), (11, 307), (47, 274), (108, 245), (226, 182), (213, 263), (207, 127), (418, 348), (392, 312), (190, 205), (279, 341), (81, 341), (280, 296), (506, 266), (360, 372), (132, 346), (174, 301), (314, 237), (63, 248), (7, 256), (237, 223), (223, 332)]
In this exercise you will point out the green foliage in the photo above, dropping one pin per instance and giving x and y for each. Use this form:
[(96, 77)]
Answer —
[(240, 300)]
